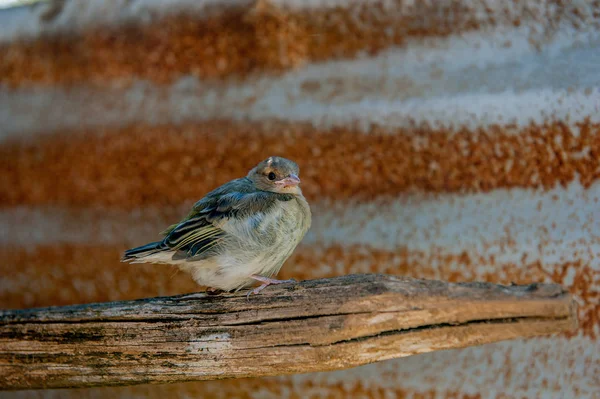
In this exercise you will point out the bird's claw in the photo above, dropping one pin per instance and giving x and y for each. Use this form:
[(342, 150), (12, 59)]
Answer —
[(257, 290), (265, 283)]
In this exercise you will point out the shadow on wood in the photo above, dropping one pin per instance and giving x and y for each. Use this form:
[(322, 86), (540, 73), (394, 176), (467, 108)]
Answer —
[(308, 326)]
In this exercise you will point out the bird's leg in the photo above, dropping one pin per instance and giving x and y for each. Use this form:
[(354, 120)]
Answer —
[(266, 281)]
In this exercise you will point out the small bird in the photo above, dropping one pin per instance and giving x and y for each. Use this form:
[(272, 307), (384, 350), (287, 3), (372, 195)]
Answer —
[(239, 233)]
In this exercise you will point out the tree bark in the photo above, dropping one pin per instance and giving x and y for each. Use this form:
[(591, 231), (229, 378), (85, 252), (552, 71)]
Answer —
[(313, 325)]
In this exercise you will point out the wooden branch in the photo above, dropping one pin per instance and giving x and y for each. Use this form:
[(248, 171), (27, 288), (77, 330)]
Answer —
[(309, 326)]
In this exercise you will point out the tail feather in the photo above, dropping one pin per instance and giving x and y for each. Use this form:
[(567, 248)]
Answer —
[(143, 251)]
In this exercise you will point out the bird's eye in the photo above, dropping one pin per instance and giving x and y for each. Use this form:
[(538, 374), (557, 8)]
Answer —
[(271, 176)]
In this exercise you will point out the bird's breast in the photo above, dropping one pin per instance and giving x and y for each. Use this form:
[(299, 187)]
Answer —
[(281, 226)]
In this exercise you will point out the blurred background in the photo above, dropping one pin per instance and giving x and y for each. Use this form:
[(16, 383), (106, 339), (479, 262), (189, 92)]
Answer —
[(455, 140)]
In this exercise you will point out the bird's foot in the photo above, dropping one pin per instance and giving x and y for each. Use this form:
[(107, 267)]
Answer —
[(266, 281), (213, 291)]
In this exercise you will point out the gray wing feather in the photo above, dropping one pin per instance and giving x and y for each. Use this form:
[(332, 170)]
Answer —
[(198, 235)]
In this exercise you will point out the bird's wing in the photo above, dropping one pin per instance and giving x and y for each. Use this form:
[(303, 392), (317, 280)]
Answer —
[(203, 228)]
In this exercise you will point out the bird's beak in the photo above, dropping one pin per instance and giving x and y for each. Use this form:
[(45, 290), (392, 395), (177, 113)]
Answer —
[(290, 181)]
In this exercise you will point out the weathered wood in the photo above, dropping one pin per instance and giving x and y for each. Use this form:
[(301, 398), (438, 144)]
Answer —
[(309, 326)]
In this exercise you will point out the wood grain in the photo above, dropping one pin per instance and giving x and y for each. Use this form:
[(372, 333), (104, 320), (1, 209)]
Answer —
[(308, 326)]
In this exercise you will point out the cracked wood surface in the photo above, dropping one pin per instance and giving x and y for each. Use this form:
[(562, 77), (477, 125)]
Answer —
[(308, 326)]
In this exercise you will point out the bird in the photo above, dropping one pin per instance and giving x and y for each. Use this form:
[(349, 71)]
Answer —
[(239, 233)]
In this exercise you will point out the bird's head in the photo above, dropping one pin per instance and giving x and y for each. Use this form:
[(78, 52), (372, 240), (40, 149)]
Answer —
[(276, 174)]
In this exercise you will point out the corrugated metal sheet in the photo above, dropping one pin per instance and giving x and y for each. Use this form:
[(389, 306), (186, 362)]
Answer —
[(456, 140)]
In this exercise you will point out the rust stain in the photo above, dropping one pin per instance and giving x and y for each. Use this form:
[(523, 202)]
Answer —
[(68, 274), (168, 165), (227, 41), (276, 387)]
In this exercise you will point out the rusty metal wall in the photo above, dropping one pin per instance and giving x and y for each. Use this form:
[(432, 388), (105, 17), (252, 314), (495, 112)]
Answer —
[(455, 140)]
